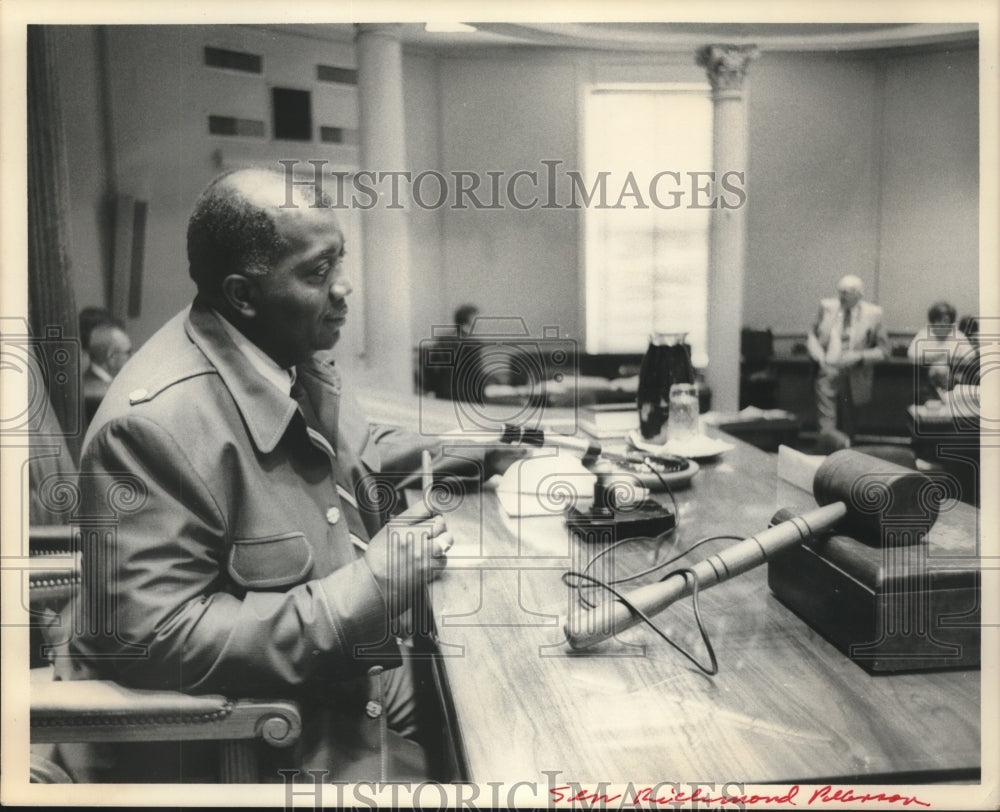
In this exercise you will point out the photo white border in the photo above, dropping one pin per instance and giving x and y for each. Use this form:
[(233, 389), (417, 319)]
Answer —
[(16, 14)]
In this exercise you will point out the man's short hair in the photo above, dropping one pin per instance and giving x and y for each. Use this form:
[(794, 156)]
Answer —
[(102, 340), (466, 313), (851, 282), (89, 318), (230, 233), (969, 326), (941, 311)]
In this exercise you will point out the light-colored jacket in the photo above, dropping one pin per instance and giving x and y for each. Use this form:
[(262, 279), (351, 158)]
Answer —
[(867, 337), (236, 567)]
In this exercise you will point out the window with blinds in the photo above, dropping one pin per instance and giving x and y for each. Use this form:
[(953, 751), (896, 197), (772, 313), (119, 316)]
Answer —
[(646, 249)]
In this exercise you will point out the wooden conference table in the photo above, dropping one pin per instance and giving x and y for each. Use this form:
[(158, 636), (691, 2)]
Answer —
[(786, 706)]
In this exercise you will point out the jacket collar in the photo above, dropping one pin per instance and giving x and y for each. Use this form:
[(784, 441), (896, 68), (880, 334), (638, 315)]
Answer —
[(265, 410), (259, 360)]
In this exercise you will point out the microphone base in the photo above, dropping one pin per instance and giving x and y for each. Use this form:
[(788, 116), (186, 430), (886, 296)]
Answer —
[(647, 519)]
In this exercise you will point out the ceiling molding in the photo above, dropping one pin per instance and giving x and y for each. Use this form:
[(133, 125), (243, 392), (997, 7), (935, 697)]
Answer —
[(658, 37), (653, 36)]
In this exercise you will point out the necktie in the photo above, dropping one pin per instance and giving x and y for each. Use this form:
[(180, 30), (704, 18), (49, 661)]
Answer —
[(321, 413), (365, 513), (840, 340)]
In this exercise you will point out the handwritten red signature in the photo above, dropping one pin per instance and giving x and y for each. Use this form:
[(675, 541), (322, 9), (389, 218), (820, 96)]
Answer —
[(825, 794)]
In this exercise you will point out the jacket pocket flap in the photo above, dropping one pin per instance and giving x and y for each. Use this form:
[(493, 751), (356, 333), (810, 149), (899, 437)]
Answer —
[(369, 456), (270, 561)]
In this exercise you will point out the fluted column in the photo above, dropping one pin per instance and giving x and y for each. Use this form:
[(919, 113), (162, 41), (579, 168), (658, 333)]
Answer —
[(386, 289), (726, 66)]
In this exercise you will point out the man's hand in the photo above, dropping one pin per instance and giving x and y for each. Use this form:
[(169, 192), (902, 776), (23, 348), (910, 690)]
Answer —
[(848, 358), (409, 551), (498, 460), (478, 461), (938, 375)]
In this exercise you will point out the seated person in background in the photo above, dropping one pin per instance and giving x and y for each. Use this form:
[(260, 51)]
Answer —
[(257, 562), (108, 347), (969, 327), (939, 348), (845, 341), (88, 319), (965, 372), (465, 317), (450, 365)]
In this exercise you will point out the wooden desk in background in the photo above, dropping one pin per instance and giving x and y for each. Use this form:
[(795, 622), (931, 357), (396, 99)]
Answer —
[(894, 388), (785, 707), (948, 435)]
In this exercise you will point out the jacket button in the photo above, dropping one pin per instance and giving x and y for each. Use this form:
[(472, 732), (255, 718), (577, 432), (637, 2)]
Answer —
[(373, 709), (375, 670), (333, 515)]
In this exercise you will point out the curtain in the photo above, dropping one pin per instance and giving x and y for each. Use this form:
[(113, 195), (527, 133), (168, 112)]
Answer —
[(51, 303)]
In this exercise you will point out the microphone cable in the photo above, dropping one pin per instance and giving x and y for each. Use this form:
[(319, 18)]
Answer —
[(578, 581)]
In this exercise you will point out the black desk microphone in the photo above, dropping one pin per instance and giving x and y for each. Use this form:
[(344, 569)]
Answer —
[(513, 436)]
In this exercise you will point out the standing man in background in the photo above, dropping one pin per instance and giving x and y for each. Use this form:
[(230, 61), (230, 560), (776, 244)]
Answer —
[(846, 340)]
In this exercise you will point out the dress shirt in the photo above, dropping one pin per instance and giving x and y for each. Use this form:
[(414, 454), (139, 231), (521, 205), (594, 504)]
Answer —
[(840, 336), (259, 360), (101, 373)]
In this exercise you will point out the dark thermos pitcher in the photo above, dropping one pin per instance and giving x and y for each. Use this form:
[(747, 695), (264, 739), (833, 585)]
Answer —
[(666, 362)]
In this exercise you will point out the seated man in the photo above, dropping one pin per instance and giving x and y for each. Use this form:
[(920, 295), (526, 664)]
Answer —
[(966, 371), (450, 366), (251, 566), (87, 320), (109, 347)]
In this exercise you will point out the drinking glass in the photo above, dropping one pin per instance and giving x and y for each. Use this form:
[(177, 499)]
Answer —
[(682, 422)]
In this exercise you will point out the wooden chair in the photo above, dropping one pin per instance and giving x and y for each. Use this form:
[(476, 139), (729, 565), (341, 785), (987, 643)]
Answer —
[(104, 711), (758, 380)]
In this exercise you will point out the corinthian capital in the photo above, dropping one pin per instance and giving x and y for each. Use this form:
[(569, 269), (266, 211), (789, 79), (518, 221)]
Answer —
[(726, 65)]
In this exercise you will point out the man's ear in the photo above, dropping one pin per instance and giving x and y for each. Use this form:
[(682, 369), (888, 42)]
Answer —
[(240, 293)]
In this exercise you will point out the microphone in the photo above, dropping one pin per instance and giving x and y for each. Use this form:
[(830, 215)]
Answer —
[(590, 451), (585, 627), (846, 485)]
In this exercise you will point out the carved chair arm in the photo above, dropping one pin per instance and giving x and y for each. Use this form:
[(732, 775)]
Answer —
[(104, 711), (47, 539), (55, 569)]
